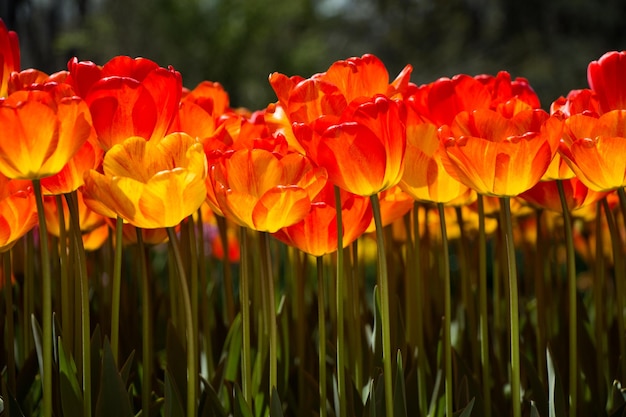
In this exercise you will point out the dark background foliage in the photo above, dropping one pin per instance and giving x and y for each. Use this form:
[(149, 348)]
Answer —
[(240, 42)]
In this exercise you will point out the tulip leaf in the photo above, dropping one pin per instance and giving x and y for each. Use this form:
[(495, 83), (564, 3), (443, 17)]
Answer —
[(232, 349), (113, 398), (467, 411), (175, 358), (241, 407), (556, 400), (172, 406), (212, 400), (533, 410), (399, 395), (38, 339), (71, 393), (276, 405)]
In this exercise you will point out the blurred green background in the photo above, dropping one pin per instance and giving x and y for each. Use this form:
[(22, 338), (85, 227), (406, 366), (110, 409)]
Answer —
[(240, 42)]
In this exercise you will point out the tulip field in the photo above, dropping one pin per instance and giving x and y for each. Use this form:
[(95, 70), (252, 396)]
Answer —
[(362, 246)]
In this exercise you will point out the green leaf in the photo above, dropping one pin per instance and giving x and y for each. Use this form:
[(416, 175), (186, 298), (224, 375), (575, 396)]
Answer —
[(556, 400), (173, 406), (38, 339), (232, 349), (71, 393), (113, 398), (467, 411), (241, 407), (533, 410), (399, 395), (213, 400), (276, 406), (127, 367), (175, 357)]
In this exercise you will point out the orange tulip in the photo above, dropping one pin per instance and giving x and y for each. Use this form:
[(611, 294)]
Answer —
[(127, 97), (41, 131), (18, 212), (151, 184), (363, 150), (594, 148), (9, 57), (606, 79), (316, 233), (350, 120), (262, 190), (545, 194), (425, 178), (498, 155), (200, 110)]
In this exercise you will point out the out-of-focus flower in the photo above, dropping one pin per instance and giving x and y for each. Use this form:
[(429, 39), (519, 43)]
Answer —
[(9, 57), (394, 203), (42, 129), (127, 97), (93, 226), (151, 184), (316, 233), (545, 194), (18, 211)]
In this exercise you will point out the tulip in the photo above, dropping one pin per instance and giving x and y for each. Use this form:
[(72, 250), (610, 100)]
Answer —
[(42, 130), (127, 97), (149, 184), (606, 79), (9, 57)]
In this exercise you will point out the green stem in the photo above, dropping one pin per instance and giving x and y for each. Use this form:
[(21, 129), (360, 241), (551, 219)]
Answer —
[(447, 313), (341, 343), (193, 259), (47, 303), (598, 298), (419, 313), (228, 280), (507, 225), (81, 261), (541, 303), (244, 294), (384, 305), (484, 312), (146, 312), (10, 329), (67, 301), (271, 308), (620, 272), (571, 295), (321, 305), (117, 287), (192, 367)]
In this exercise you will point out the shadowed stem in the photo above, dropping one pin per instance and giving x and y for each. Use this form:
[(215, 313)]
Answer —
[(117, 287), (146, 385), (321, 305), (484, 312), (384, 305), (447, 311), (10, 331), (571, 295), (341, 343), (46, 292), (271, 308), (507, 225), (244, 300), (192, 367), (620, 272), (67, 299), (81, 261)]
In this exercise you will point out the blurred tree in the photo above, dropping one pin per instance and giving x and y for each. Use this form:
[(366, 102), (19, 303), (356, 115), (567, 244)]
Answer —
[(240, 42)]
